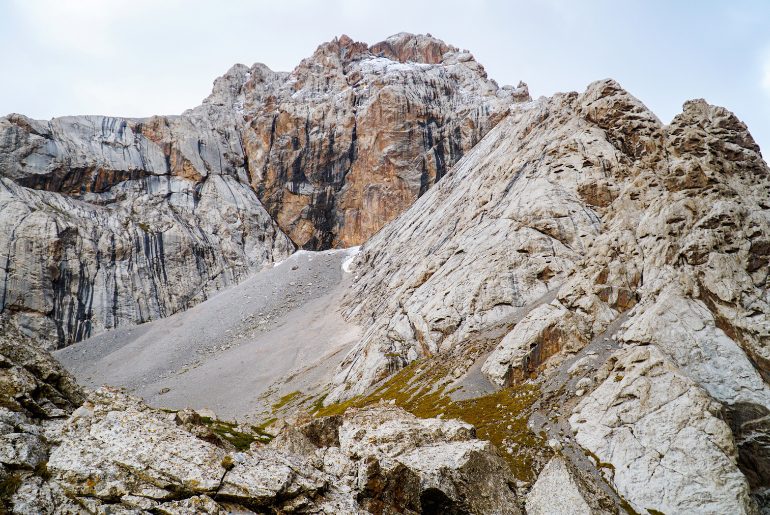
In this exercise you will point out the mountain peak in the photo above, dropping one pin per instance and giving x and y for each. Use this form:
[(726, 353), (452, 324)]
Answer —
[(419, 48)]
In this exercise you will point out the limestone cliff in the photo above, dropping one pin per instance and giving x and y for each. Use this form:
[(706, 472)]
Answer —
[(355, 134), (107, 222)]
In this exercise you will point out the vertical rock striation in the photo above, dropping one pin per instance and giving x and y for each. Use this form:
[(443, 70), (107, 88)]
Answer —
[(355, 134), (106, 222)]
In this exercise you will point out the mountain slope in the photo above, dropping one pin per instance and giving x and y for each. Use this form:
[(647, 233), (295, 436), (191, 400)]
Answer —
[(586, 290), (585, 246)]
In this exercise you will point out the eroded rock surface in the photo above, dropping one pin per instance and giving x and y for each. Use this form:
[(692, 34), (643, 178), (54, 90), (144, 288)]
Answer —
[(115, 453), (577, 243), (581, 225), (352, 136), (557, 491), (660, 438), (36, 395), (107, 222)]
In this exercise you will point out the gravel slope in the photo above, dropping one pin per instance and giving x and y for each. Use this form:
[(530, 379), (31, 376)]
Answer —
[(281, 325)]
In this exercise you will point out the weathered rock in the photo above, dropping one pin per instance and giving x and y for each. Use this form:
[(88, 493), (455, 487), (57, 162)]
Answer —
[(35, 393), (350, 138), (557, 491), (116, 455), (578, 231), (191, 506), (462, 477), (491, 241), (547, 330), (567, 215), (141, 218), (660, 439), (400, 462), (121, 447)]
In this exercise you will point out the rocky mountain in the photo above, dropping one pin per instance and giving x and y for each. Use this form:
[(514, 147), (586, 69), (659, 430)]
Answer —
[(109, 221), (355, 134), (619, 263), (574, 319)]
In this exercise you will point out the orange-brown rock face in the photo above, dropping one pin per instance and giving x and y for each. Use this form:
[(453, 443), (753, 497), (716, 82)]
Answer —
[(350, 139)]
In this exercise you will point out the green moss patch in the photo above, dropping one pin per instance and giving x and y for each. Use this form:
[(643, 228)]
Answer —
[(286, 399), (234, 434)]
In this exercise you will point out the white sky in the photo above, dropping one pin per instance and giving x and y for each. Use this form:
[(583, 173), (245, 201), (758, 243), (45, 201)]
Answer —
[(143, 57)]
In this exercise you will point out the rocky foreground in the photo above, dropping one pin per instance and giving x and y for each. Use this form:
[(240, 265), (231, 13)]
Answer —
[(574, 319), (113, 454)]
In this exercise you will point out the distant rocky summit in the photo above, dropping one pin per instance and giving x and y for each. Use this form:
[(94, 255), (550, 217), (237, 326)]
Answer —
[(110, 221), (564, 302)]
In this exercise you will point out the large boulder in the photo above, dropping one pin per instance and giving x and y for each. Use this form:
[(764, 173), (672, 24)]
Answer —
[(660, 438)]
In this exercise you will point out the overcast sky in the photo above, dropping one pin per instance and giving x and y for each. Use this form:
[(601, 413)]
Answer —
[(143, 57)]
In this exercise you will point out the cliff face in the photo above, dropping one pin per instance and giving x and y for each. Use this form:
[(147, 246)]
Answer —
[(620, 263), (106, 221), (355, 134), (110, 221)]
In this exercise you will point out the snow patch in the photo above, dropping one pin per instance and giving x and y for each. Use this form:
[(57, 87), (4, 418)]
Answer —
[(347, 265)]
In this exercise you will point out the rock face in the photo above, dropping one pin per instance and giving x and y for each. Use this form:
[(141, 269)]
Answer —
[(557, 491), (661, 437), (582, 228), (111, 221), (36, 395), (355, 134), (108, 222)]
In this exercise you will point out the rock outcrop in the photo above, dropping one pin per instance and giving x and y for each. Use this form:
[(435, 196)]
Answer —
[(582, 222), (36, 396), (557, 490), (106, 222), (660, 438), (116, 455), (110, 221)]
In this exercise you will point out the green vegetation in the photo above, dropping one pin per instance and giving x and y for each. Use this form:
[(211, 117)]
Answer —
[(41, 470), (8, 486), (597, 462), (318, 404), (286, 399), (230, 432), (500, 417), (227, 462)]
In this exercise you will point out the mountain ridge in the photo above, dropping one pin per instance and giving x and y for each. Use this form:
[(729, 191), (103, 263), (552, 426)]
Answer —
[(227, 185)]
